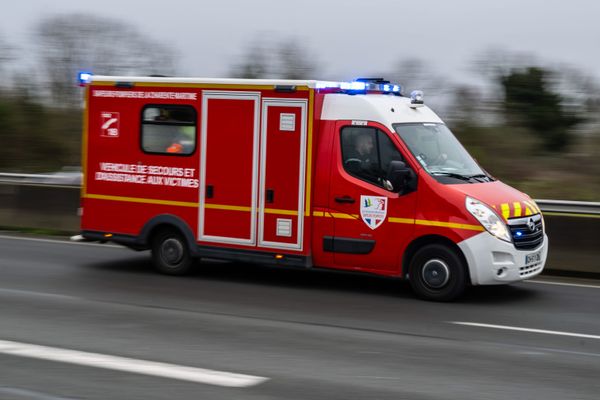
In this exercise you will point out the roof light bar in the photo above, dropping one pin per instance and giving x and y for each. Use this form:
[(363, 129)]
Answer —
[(361, 85)]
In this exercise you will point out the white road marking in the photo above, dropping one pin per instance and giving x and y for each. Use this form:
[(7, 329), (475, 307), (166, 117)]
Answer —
[(56, 241), (164, 370), (28, 394), (564, 284), (517, 328)]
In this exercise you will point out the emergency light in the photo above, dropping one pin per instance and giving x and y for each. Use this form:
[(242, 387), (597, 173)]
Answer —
[(362, 86), (84, 78)]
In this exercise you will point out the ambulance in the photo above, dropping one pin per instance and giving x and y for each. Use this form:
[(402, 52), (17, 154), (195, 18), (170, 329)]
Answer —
[(349, 176)]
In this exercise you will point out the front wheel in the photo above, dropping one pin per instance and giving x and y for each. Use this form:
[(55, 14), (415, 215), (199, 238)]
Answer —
[(437, 273), (170, 253)]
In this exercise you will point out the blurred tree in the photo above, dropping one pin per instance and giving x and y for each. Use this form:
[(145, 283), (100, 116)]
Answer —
[(6, 55), (28, 144), (73, 42), (286, 59), (529, 101), (255, 64), (293, 61)]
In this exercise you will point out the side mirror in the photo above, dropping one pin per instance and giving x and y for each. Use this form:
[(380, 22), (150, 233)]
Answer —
[(400, 178)]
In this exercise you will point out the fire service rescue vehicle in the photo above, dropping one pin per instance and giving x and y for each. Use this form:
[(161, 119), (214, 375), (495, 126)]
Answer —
[(345, 175)]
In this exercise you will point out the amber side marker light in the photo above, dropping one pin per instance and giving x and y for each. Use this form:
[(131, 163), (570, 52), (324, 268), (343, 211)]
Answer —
[(107, 235), (279, 256)]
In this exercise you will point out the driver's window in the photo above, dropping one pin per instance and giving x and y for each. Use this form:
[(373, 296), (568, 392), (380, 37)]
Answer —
[(367, 153)]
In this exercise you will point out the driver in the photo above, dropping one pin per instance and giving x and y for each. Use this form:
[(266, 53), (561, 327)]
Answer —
[(364, 148)]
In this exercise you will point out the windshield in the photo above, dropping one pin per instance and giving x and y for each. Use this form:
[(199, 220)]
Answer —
[(438, 151)]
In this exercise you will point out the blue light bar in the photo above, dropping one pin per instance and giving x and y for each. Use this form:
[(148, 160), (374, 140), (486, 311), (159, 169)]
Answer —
[(84, 78), (360, 86), (353, 86)]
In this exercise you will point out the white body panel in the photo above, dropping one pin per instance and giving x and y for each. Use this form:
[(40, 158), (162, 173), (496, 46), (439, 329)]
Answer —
[(486, 255), (383, 108)]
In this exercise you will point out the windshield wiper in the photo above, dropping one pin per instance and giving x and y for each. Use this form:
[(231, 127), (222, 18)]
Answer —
[(452, 175)]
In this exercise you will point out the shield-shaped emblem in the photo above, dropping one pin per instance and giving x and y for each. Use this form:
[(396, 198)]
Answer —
[(373, 210)]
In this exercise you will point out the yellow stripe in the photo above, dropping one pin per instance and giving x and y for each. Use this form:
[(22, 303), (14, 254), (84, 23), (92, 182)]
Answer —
[(405, 221), (197, 85), (517, 206), (227, 207), (532, 206), (308, 175), (505, 210), (401, 220), (140, 200), (280, 212), (527, 211), (449, 225), (344, 216)]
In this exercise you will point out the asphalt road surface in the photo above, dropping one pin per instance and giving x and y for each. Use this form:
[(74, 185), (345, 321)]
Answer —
[(88, 321)]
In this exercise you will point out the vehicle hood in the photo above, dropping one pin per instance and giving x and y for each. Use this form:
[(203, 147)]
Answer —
[(507, 201)]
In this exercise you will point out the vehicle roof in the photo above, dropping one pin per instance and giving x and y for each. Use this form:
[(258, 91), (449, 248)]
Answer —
[(190, 80), (387, 109), (383, 108)]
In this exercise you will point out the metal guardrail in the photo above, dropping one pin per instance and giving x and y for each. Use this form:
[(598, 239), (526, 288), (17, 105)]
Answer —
[(549, 207), (568, 207), (68, 178)]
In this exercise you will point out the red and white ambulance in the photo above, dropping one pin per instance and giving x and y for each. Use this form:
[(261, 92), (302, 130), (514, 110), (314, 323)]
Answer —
[(344, 175)]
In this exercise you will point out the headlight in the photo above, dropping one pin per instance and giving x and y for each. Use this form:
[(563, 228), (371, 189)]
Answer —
[(488, 219)]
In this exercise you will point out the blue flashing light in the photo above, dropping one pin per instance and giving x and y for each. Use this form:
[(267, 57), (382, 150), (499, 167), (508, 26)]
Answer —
[(359, 86), (84, 78), (519, 234)]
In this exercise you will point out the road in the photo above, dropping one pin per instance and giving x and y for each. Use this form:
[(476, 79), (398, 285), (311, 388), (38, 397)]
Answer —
[(234, 331)]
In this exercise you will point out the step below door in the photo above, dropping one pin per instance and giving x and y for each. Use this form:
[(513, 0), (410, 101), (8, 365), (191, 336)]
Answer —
[(282, 174)]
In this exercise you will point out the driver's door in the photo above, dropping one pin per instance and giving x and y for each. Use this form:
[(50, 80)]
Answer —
[(372, 225)]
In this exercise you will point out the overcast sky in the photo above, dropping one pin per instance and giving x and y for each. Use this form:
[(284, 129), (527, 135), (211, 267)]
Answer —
[(347, 37)]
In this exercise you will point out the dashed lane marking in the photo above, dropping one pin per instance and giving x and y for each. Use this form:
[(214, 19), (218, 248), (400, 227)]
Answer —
[(153, 368), (521, 329)]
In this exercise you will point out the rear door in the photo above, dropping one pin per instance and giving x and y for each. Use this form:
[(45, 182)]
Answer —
[(282, 174), (229, 167)]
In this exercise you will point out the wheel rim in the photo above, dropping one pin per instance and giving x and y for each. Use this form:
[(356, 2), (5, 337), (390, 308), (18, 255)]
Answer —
[(171, 251), (435, 273)]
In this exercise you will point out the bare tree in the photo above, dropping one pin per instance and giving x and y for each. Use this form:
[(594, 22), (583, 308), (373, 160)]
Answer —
[(285, 59), (73, 42), (293, 61), (6, 55)]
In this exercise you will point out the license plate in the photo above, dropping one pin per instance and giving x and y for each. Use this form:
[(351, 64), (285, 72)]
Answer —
[(533, 258)]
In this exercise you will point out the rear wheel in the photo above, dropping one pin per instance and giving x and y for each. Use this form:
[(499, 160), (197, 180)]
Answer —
[(170, 253), (437, 273)]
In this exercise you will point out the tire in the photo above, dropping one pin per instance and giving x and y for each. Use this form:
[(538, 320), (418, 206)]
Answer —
[(170, 253), (437, 273)]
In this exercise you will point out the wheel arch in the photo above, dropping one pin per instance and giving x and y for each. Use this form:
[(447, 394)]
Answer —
[(167, 221), (422, 241)]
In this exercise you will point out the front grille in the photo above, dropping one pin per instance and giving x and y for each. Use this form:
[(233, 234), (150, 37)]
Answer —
[(529, 270), (524, 237)]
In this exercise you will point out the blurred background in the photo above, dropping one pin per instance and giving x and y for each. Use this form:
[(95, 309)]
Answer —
[(517, 81)]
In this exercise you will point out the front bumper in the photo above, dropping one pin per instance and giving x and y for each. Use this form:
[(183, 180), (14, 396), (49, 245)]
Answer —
[(492, 261)]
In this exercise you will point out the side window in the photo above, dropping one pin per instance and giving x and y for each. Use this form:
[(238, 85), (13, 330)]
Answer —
[(367, 153), (168, 129)]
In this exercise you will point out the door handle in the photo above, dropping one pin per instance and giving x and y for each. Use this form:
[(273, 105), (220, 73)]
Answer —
[(270, 195), (209, 191), (345, 199)]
